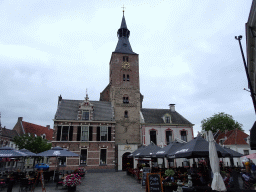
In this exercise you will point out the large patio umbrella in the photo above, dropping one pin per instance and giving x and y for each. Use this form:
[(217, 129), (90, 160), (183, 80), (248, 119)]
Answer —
[(161, 153), (136, 151), (217, 181), (233, 153), (6, 152), (30, 154), (147, 151), (197, 148), (57, 152), (251, 156)]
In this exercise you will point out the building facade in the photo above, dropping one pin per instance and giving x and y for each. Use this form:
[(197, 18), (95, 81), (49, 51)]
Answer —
[(88, 129)]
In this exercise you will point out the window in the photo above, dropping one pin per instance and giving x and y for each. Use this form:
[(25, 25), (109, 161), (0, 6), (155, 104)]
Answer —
[(123, 77), (85, 133), (168, 137), (167, 119), (246, 152), (85, 115), (43, 136), (183, 135), (103, 133), (153, 136), (125, 99), (103, 156), (125, 58), (83, 157), (64, 133), (62, 161), (128, 78), (126, 114)]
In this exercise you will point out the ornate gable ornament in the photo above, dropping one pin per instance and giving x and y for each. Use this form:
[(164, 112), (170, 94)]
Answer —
[(85, 107)]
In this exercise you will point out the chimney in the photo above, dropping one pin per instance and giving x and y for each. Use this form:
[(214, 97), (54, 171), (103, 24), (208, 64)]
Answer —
[(59, 99), (48, 126), (20, 118), (172, 107)]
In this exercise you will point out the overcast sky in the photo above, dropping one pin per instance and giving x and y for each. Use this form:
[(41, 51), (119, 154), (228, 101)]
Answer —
[(187, 55)]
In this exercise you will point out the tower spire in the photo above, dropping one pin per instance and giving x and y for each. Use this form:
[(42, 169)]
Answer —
[(123, 33)]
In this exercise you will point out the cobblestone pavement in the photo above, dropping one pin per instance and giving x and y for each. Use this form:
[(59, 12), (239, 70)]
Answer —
[(100, 182)]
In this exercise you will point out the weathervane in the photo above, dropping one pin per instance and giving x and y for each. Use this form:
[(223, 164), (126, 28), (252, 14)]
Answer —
[(123, 9)]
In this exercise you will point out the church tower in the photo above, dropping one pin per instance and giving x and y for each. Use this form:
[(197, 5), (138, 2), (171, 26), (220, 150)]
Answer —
[(123, 92)]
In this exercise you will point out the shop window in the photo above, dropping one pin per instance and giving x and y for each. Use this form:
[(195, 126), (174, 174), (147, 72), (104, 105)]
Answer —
[(86, 115), (168, 137), (183, 135), (246, 152), (125, 99), (103, 156), (125, 58), (103, 133), (64, 133), (83, 157), (62, 161), (153, 136), (128, 77), (126, 114)]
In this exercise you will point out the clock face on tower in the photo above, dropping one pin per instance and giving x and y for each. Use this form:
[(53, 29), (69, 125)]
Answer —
[(126, 65)]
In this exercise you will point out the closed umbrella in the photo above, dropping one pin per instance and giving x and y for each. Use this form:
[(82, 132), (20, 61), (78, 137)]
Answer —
[(217, 182)]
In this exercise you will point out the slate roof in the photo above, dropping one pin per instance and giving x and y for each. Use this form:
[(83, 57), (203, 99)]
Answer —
[(68, 110), (154, 116), (37, 129), (8, 133), (123, 44), (233, 137)]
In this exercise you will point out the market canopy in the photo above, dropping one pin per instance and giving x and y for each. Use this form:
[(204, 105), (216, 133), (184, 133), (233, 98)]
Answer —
[(147, 151), (58, 152), (233, 153), (196, 148), (11, 153), (167, 149), (29, 153)]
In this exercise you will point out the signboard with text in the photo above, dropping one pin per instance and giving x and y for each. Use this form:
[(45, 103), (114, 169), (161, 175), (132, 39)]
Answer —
[(154, 182)]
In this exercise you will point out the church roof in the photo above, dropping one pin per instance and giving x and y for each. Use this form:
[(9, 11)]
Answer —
[(68, 110), (123, 44), (155, 116)]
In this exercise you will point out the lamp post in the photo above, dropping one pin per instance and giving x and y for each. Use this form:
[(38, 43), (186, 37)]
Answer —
[(246, 70)]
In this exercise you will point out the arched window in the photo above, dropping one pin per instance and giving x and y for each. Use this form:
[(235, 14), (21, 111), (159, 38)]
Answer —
[(125, 99), (168, 134), (126, 114)]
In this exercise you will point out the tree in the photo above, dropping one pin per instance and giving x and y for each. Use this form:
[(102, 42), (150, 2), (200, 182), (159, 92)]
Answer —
[(33, 144), (220, 121)]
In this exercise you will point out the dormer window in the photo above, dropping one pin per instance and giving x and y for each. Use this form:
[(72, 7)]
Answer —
[(43, 136), (85, 115), (167, 119)]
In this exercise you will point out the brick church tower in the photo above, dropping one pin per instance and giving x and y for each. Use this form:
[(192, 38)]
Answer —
[(123, 91)]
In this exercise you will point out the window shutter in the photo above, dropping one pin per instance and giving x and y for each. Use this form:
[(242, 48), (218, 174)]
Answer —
[(90, 133), (70, 133), (78, 133), (109, 133), (58, 133), (98, 133)]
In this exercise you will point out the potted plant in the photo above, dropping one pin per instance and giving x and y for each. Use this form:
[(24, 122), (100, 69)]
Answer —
[(82, 171), (71, 181)]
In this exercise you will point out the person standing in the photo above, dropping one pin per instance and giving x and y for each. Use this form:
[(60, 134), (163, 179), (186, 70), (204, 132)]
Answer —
[(253, 168)]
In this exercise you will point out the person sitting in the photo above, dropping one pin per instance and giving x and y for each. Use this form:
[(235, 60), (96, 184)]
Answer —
[(228, 180), (248, 180)]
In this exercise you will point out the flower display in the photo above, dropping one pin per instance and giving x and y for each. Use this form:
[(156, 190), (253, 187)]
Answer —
[(72, 180)]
